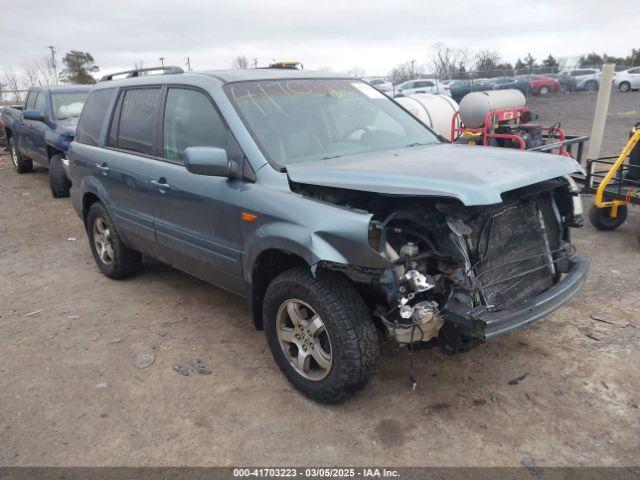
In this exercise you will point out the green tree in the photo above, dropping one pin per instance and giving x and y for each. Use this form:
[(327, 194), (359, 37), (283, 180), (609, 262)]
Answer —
[(550, 64), (633, 58), (590, 60), (530, 62), (79, 66)]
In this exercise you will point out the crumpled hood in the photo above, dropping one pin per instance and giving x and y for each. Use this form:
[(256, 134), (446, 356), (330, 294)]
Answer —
[(474, 175)]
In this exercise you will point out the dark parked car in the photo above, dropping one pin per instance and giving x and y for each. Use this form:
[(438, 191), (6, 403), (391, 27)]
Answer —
[(459, 88), (567, 82), (330, 208), (41, 130)]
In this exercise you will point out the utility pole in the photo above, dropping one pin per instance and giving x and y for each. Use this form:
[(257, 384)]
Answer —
[(188, 65), (53, 63), (162, 61)]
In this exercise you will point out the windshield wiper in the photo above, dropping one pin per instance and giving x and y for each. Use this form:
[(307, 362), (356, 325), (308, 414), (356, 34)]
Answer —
[(415, 144), (331, 156)]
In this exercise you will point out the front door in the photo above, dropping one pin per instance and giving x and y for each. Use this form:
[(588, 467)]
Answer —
[(197, 220)]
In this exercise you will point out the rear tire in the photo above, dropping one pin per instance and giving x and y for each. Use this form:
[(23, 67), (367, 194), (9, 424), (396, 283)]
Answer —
[(544, 90), (113, 257), (602, 220), (58, 180), (350, 348), (591, 86), (624, 86), (21, 163)]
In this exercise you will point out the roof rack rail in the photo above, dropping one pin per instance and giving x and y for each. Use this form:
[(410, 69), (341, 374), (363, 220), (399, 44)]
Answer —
[(142, 71)]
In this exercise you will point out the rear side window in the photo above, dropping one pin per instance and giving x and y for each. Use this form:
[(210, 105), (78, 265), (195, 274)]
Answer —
[(137, 120), (40, 103), (191, 120), (93, 116)]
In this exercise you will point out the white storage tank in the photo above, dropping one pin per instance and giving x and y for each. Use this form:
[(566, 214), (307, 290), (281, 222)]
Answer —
[(475, 106), (436, 111)]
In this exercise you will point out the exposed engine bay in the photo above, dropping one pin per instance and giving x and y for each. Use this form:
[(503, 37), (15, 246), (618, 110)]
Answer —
[(451, 263)]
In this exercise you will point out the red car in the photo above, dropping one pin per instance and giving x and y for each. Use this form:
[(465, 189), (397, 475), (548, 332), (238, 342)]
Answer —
[(541, 85)]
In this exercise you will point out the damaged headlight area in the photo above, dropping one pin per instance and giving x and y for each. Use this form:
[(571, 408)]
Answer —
[(451, 264)]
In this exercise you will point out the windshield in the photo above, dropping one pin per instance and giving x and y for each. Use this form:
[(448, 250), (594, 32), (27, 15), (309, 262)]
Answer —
[(297, 121), (69, 104)]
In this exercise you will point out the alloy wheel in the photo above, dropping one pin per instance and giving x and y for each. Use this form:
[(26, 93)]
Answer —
[(14, 154), (102, 241), (304, 339)]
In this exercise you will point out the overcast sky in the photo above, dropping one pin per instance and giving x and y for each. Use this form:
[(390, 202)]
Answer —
[(337, 34)]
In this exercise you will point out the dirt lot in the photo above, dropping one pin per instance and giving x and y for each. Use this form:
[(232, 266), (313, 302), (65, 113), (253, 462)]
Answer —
[(70, 393)]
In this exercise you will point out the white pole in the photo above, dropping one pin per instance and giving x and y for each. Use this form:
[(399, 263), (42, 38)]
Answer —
[(600, 115)]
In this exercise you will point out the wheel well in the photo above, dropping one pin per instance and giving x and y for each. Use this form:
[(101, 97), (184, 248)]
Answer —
[(268, 266), (51, 151), (88, 200)]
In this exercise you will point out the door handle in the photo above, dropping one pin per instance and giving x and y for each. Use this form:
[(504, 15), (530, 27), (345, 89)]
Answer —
[(103, 168), (163, 186)]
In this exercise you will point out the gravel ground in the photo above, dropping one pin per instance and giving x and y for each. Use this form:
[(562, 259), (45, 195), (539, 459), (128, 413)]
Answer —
[(70, 393)]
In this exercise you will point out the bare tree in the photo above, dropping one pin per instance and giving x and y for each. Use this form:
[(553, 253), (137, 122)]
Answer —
[(12, 84), (39, 72), (406, 71), (240, 63), (356, 71), (486, 60), (447, 61), (138, 64)]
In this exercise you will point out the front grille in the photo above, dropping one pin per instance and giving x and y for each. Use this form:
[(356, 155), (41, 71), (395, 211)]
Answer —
[(516, 249)]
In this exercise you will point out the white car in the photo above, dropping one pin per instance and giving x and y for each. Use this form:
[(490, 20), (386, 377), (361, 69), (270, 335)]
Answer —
[(426, 85), (586, 78), (627, 80), (382, 85)]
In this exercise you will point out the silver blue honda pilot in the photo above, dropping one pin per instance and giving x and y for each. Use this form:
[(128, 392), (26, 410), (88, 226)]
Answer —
[(333, 210)]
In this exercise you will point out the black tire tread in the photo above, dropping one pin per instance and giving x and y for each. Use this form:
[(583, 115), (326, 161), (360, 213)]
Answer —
[(356, 333), (601, 220), (126, 261), (25, 165), (58, 180)]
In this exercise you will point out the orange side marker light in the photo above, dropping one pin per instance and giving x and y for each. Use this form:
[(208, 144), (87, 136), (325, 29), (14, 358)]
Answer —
[(249, 217)]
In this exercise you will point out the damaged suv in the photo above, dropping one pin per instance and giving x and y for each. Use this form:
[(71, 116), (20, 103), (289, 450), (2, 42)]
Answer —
[(331, 208)]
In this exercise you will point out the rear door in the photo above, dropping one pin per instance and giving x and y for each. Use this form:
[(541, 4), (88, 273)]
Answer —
[(37, 129), (197, 219), (24, 138), (123, 167)]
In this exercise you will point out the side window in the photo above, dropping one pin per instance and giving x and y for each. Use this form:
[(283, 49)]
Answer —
[(137, 119), (93, 116), (40, 103), (190, 120), (31, 99), (635, 71), (409, 85)]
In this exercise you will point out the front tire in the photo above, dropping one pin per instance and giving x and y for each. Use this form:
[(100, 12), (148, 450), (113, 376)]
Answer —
[(58, 180), (601, 219), (544, 90), (21, 163), (113, 257), (624, 86), (320, 333)]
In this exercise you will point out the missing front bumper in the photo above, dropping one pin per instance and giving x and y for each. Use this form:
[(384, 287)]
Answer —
[(486, 325)]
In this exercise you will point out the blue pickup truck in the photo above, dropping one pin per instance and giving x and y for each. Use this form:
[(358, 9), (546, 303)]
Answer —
[(42, 128)]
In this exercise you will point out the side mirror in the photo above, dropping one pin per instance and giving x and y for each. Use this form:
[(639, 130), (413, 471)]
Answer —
[(33, 115), (211, 161)]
